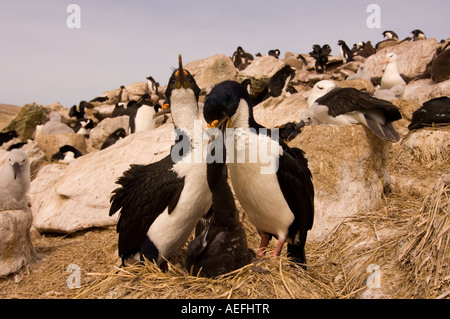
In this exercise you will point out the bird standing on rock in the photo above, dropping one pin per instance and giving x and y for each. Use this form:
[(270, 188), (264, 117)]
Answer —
[(161, 203)]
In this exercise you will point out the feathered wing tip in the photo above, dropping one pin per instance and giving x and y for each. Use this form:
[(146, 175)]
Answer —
[(384, 131)]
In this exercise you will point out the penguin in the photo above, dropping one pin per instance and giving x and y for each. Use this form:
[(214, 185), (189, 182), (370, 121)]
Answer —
[(344, 50), (389, 34), (130, 109), (320, 54), (275, 53), (161, 203), (77, 111), (16, 146), (15, 180), (391, 76), (279, 198), (418, 35), (432, 112), (153, 95), (7, 136), (84, 126), (66, 154), (123, 94), (279, 82), (113, 138), (329, 104), (363, 49), (222, 246), (241, 59), (100, 99), (143, 120), (152, 86)]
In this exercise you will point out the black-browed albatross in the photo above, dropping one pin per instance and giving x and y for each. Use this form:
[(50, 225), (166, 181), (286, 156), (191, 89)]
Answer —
[(329, 104)]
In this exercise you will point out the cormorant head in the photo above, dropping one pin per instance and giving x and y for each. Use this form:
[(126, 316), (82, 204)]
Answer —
[(228, 104)]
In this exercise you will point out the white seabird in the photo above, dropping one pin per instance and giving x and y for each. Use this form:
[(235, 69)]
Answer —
[(391, 76), (329, 104), (54, 125), (15, 180)]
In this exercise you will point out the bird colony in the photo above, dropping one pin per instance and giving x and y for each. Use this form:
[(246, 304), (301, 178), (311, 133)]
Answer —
[(244, 159)]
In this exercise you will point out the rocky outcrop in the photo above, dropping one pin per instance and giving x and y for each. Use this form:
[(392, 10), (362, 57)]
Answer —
[(101, 132), (212, 70), (26, 120), (413, 58), (286, 109), (50, 144), (348, 179), (16, 248), (425, 90), (68, 198), (260, 71)]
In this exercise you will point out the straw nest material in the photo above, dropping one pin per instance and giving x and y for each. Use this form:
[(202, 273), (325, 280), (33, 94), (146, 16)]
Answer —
[(408, 240), (404, 246)]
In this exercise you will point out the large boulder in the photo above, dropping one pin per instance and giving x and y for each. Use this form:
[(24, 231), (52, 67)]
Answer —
[(413, 58), (260, 71), (211, 71), (277, 111), (425, 90), (106, 127), (136, 90), (69, 198), (16, 248), (50, 143), (26, 120), (348, 168)]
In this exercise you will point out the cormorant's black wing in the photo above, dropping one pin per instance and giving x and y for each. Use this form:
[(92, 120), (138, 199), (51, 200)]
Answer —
[(295, 181), (145, 192)]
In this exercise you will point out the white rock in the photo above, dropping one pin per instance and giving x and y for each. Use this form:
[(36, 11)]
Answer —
[(212, 70), (425, 90), (16, 249), (101, 132), (260, 71), (276, 111), (68, 198)]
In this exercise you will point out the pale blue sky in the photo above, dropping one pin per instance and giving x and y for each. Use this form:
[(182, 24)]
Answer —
[(122, 42)]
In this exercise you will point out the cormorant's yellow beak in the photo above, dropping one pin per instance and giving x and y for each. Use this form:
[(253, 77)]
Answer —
[(221, 125), (181, 76)]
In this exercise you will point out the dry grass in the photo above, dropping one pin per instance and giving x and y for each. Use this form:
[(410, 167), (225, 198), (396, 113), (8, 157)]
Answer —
[(408, 238)]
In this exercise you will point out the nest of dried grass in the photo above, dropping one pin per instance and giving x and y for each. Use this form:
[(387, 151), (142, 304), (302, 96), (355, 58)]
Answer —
[(408, 238), (426, 243)]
